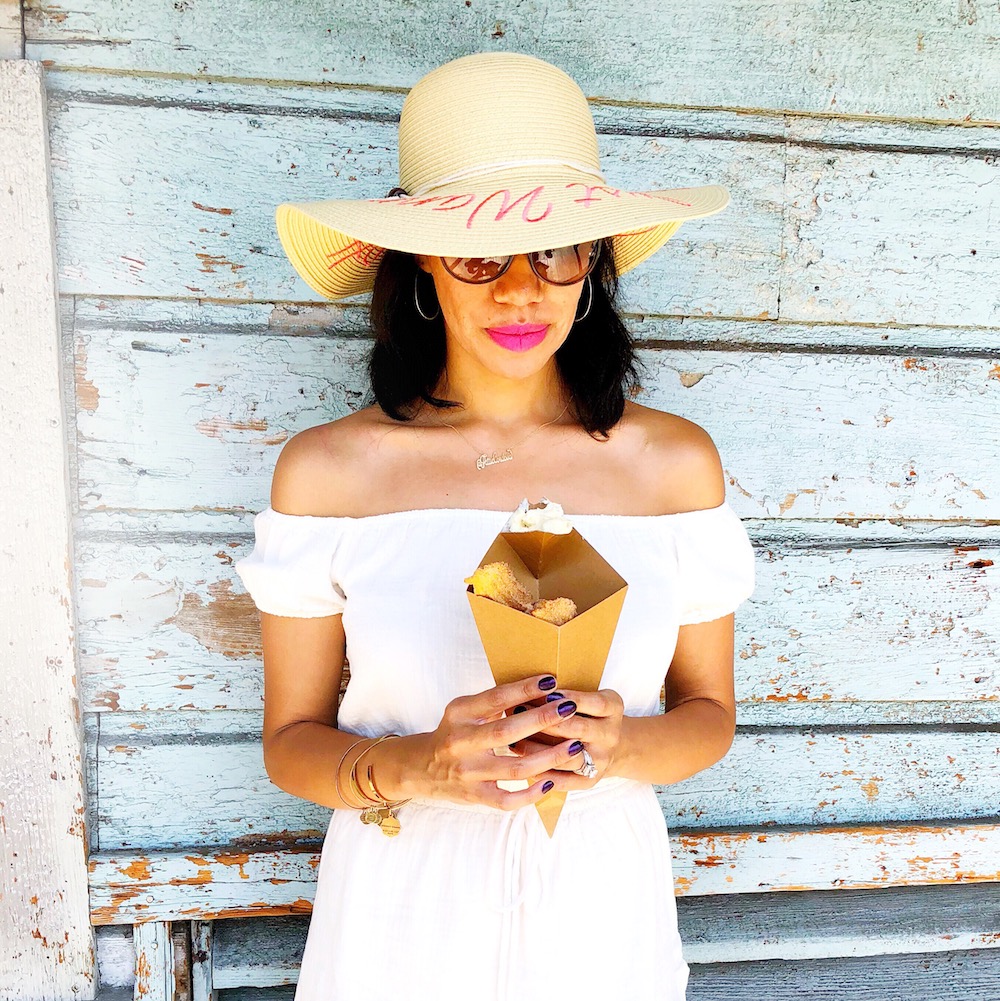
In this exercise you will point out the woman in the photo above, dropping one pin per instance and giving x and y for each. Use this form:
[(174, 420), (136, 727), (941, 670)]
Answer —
[(500, 369)]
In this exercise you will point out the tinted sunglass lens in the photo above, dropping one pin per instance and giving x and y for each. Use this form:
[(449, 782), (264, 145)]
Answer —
[(475, 269), (566, 265)]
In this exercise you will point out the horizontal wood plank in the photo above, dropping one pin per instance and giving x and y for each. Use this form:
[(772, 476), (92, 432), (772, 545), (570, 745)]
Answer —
[(948, 976), (192, 883), (187, 420), (165, 624), (266, 952), (935, 61), (166, 780), (830, 230)]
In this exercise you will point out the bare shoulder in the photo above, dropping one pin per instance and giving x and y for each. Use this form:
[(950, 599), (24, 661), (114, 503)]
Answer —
[(681, 463), (322, 470)]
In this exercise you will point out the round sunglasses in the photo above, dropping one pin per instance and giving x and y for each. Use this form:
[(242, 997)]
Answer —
[(561, 266)]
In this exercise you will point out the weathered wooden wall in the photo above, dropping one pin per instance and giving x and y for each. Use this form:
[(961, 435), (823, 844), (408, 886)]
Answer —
[(47, 943), (836, 331)]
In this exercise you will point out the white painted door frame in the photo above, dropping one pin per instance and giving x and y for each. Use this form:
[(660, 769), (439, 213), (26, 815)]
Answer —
[(47, 943)]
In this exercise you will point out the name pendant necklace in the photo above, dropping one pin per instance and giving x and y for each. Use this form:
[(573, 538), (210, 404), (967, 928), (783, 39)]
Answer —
[(504, 455)]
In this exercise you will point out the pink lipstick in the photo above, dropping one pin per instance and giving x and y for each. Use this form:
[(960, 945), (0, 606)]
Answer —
[(518, 336)]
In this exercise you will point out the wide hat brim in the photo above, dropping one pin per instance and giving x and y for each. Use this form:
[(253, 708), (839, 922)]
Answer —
[(336, 245)]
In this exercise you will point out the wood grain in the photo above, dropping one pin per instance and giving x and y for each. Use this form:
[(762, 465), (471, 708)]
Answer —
[(166, 780), (933, 61), (184, 420), (46, 943), (206, 885), (825, 224)]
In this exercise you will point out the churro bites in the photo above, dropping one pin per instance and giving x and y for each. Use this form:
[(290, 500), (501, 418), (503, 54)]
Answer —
[(497, 582), (554, 610)]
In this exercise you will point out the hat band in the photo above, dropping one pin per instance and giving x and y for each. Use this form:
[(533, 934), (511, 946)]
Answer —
[(491, 168)]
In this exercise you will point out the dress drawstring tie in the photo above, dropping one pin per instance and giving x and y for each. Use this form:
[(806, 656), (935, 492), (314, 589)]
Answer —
[(523, 845)]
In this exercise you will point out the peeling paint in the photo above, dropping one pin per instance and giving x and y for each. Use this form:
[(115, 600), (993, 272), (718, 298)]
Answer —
[(87, 396), (216, 427), (227, 624)]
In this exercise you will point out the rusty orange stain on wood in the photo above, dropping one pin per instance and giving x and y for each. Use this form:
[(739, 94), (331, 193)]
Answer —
[(200, 878), (215, 427), (226, 624), (994, 372), (209, 208), (213, 261), (789, 500), (107, 700), (137, 869), (911, 363), (142, 974), (87, 396), (870, 788), (711, 861)]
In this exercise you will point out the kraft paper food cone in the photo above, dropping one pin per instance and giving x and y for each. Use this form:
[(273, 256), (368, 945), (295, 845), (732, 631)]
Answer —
[(518, 645)]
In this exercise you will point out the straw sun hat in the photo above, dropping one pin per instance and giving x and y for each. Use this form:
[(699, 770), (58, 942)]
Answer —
[(497, 155)]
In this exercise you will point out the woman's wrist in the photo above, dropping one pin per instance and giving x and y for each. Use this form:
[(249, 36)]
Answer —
[(396, 768)]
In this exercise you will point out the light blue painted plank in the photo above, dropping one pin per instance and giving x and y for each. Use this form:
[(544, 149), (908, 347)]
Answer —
[(828, 637), (182, 420), (146, 203), (190, 778), (930, 60)]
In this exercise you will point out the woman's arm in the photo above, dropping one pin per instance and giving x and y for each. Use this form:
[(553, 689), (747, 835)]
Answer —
[(303, 666), (699, 724)]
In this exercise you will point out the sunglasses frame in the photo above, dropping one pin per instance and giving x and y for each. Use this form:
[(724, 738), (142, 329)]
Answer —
[(532, 262)]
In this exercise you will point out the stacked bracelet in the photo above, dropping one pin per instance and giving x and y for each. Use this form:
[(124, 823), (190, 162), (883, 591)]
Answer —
[(376, 809)]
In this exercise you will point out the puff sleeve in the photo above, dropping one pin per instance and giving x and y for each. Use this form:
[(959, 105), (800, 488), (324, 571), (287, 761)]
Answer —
[(715, 563), (290, 571)]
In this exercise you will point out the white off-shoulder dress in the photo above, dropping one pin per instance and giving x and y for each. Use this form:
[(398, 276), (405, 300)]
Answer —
[(470, 903)]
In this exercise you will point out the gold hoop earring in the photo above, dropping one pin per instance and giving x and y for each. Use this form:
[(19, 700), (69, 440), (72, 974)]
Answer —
[(590, 301), (416, 300)]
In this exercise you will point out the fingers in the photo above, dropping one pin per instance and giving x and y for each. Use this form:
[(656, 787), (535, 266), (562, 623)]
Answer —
[(523, 722), (485, 705), (505, 800), (564, 756)]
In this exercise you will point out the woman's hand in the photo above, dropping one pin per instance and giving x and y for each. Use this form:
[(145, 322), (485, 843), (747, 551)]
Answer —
[(464, 758), (596, 725)]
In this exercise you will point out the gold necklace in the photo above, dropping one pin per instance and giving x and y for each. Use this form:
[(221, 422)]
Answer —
[(505, 455)]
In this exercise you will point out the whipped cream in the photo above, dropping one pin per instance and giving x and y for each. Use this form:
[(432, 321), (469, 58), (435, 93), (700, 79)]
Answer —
[(546, 516)]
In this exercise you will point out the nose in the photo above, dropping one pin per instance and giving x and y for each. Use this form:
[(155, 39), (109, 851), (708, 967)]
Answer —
[(518, 285)]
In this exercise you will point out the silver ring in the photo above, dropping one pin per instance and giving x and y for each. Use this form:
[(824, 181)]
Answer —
[(588, 769)]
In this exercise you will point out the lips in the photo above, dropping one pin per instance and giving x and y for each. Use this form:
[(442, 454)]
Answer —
[(518, 336)]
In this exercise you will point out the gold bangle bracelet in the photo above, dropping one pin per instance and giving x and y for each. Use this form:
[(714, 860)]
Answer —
[(381, 812), (352, 776), (340, 766), (376, 796)]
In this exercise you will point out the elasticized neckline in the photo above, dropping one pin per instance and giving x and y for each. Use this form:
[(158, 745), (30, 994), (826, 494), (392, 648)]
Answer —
[(270, 511)]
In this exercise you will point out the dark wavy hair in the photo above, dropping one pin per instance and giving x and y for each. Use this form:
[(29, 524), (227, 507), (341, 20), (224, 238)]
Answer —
[(597, 361)]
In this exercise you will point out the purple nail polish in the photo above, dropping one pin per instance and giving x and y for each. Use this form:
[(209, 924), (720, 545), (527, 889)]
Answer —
[(547, 683), (520, 709), (576, 747), (567, 708), (547, 785), (554, 696)]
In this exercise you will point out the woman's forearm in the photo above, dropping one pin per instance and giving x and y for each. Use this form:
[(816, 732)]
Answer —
[(673, 746), (302, 759)]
